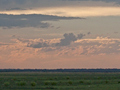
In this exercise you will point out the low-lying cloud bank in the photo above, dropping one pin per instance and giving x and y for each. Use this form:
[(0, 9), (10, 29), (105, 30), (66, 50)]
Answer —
[(67, 40), (46, 53), (73, 45)]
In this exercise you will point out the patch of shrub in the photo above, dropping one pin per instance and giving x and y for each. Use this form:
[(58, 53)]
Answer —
[(106, 81), (81, 82), (67, 78), (88, 82), (60, 81), (50, 88), (14, 79), (33, 84), (51, 79), (6, 84), (98, 78), (53, 83), (21, 83), (70, 82), (118, 81), (56, 78), (46, 83)]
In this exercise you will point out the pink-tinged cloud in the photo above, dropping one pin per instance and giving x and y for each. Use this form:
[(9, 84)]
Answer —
[(84, 53)]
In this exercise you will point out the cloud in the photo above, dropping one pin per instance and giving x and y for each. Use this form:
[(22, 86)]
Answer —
[(1, 43), (15, 9), (21, 21), (32, 20), (89, 33), (73, 45), (70, 11), (46, 2), (116, 1), (100, 49), (6, 2), (73, 8), (80, 36), (41, 43), (100, 45), (68, 38), (38, 45)]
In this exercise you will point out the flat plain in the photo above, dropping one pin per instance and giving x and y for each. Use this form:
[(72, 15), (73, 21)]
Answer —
[(59, 81)]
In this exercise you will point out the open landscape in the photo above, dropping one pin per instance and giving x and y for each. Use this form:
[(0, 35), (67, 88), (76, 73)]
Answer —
[(59, 81), (59, 44)]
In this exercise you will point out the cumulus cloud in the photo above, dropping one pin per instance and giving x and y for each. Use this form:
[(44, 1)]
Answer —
[(41, 43), (68, 38), (89, 33), (34, 43), (1, 43), (100, 45), (32, 20), (26, 51), (38, 45), (80, 36), (73, 45)]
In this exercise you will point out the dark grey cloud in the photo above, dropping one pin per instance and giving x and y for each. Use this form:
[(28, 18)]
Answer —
[(31, 20), (80, 36), (37, 1), (38, 45), (27, 4), (117, 1), (17, 8), (68, 38), (14, 1), (89, 33)]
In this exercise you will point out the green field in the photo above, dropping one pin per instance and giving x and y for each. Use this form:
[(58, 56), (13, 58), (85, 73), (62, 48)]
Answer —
[(59, 81)]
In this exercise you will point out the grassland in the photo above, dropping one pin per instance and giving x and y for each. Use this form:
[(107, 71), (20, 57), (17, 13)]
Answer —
[(59, 81)]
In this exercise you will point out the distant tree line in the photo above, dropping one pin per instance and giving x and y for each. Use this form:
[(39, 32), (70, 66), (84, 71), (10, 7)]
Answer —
[(59, 70)]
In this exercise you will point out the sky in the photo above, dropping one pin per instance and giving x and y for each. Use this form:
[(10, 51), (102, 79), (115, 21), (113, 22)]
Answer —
[(54, 34)]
